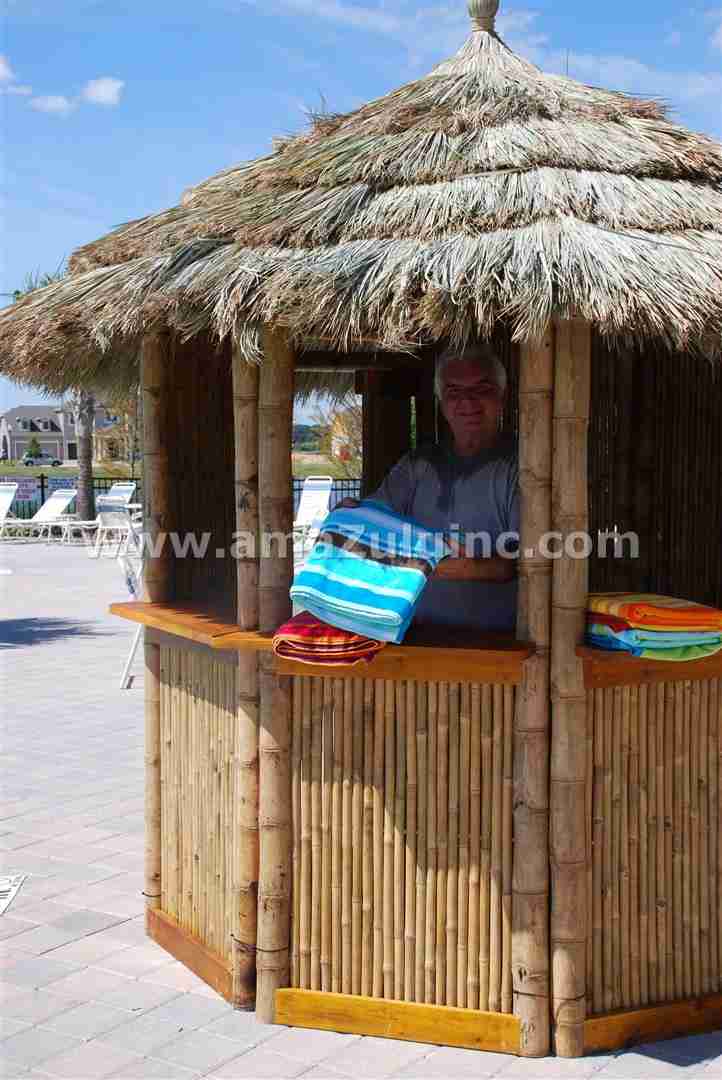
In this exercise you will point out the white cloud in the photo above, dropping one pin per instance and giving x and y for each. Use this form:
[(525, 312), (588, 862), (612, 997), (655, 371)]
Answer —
[(105, 91), (52, 103), (16, 88), (6, 72)]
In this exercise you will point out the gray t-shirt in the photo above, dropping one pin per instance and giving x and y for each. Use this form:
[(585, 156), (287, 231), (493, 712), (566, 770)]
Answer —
[(480, 495)]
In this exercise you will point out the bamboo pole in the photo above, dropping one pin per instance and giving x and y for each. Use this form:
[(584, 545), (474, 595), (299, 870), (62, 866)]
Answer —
[(399, 860), (388, 860), (653, 951), (378, 839), (715, 895), (475, 786), (452, 869), (487, 723), (275, 415), (367, 887), (572, 391), (155, 360), (643, 804), (678, 842), (421, 811), (609, 757), (245, 816), (462, 971), (410, 881), (598, 829), (306, 888), (530, 884), (442, 840), (667, 909), (497, 837), (316, 849), (326, 836), (357, 833), (507, 851), (624, 863), (431, 849), (296, 766), (349, 841)]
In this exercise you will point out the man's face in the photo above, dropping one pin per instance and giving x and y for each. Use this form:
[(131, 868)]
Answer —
[(471, 401)]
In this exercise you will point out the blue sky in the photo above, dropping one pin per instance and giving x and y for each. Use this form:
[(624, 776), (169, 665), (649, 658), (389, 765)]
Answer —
[(111, 108)]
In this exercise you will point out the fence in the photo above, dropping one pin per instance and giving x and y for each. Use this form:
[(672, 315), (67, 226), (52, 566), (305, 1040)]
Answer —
[(33, 491)]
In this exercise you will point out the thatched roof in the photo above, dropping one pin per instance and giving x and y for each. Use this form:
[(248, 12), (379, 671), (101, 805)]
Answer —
[(486, 191)]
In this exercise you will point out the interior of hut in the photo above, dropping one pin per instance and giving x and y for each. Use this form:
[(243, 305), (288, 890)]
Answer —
[(655, 432)]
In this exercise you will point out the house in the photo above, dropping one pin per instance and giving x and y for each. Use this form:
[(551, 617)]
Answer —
[(52, 426)]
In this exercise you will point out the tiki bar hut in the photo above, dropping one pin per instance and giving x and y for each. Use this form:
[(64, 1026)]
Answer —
[(500, 843)]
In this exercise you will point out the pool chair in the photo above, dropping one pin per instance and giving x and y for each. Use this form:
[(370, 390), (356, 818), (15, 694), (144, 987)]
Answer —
[(53, 514), (115, 519), (312, 509), (7, 494)]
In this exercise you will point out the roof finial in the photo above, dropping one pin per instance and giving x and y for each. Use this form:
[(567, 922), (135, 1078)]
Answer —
[(483, 14)]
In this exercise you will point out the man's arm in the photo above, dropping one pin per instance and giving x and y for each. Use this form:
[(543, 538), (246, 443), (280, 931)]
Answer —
[(494, 571)]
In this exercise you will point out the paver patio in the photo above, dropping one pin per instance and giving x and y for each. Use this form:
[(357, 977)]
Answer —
[(83, 993)]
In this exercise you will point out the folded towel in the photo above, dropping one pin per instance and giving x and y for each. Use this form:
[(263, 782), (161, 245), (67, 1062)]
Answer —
[(367, 570), (306, 639), (653, 639), (650, 612), (681, 654)]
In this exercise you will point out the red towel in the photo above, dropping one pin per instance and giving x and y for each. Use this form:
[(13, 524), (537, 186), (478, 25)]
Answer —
[(613, 621), (309, 641)]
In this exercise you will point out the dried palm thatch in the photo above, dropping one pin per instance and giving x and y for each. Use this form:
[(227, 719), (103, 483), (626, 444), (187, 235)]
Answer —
[(487, 191)]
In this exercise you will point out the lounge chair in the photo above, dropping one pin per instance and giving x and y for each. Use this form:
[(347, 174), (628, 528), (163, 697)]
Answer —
[(7, 494), (132, 571), (52, 514), (115, 517), (312, 509)]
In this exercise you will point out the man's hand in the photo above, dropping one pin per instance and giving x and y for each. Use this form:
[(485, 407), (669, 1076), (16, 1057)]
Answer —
[(347, 504), (456, 567)]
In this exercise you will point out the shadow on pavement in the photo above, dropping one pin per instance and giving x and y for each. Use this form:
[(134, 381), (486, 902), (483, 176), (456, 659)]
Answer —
[(18, 632)]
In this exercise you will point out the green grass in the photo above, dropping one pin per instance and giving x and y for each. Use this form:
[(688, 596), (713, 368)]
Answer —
[(118, 470), (306, 464)]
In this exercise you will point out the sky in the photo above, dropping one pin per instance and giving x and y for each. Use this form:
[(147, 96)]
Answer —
[(112, 108)]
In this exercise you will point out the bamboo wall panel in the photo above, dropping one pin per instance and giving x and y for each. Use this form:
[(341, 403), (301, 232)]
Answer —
[(654, 767), (402, 845), (198, 799)]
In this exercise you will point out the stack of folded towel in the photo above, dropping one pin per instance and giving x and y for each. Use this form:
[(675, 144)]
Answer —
[(367, 571), (654, 627), (306, 639)]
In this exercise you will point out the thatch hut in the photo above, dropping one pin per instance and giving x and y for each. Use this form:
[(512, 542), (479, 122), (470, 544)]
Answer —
[(500, 845)]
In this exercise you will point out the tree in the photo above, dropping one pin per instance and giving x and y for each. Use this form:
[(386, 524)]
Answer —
[(82, 404), (34, 447), (342, 441)]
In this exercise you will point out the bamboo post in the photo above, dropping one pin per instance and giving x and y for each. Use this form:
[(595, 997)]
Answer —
[(275, 415), (245, 823), (568, 834), (155, 362), (530, 884)]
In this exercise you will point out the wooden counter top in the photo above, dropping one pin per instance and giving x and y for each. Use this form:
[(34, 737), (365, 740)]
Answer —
[(491, 658), (602, 669)]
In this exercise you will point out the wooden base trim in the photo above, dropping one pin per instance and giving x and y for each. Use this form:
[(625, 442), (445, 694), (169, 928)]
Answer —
[(413, 1022), (632, 1026), (602, 669), (181, 944)]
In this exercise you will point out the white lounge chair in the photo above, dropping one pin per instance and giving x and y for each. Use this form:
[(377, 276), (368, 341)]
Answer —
[(115, 518), (8, 491), (52, 514), (312, 509)]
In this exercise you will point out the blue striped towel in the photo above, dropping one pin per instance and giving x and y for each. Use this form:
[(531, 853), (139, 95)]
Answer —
[(367, 571)]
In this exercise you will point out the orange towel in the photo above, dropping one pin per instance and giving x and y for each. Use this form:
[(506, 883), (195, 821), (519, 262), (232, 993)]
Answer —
[(645, 611), (306, 639)]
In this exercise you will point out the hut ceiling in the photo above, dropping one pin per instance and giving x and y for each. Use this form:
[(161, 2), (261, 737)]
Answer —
[(486, 191)]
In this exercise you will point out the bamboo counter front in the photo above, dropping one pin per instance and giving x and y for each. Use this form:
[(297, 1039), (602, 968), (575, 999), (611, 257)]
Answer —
[(405, 891)]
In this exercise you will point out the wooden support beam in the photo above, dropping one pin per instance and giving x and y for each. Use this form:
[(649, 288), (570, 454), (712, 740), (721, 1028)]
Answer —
[(568, 766), (386, 424), (155, 361), (275, 416), (530, 910), (245, 821)]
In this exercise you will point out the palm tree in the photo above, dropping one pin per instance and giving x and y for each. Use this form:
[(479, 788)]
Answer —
[(82, 404)]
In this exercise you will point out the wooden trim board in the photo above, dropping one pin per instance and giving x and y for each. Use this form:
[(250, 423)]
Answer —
[(603, 669), (632, 1026), (181, 944), (492, 659), (438, 1024)]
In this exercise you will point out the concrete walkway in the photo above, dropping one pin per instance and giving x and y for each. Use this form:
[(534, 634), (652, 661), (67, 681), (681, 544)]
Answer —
[(83, 994)]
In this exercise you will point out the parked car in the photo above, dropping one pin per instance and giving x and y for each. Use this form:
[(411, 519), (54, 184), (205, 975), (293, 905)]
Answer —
[(43, 458)]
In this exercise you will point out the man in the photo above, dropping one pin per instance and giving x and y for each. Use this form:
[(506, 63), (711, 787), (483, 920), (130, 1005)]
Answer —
[(469, 484)]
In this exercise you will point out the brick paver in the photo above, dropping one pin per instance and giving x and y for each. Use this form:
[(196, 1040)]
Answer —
[(83, 994)]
